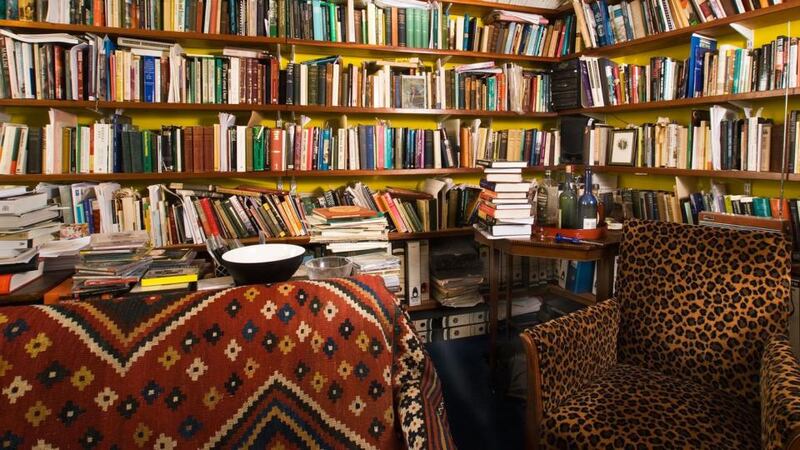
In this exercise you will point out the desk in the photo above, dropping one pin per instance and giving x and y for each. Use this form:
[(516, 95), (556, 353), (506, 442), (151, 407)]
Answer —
[(499, 248), (34, 291)]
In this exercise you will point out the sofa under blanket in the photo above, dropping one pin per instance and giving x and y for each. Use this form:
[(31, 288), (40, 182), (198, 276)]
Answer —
[(307, 364)]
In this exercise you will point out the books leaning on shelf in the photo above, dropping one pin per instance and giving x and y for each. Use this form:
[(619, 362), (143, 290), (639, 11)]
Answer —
[(602, 23), (505, 210), (708, 71), (67, 67), (716, 139)]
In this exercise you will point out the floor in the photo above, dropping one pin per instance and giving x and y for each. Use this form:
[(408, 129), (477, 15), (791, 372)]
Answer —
[(481, 416)]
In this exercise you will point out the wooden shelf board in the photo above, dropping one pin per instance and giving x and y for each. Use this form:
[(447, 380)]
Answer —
[(587, 299), (687, 102), (32, 103), (171, 176), (326, 47), (184, 37), (509, 7), (753, 19), (304, 240)]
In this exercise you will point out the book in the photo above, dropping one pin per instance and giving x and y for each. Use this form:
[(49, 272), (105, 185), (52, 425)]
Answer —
[(167, 276), (10, 282)]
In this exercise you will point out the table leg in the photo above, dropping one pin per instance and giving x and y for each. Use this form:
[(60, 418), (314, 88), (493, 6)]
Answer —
[(605, 278), (494, 280), (509, 289)]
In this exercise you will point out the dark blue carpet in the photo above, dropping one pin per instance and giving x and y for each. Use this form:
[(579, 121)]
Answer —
[(481, 416)]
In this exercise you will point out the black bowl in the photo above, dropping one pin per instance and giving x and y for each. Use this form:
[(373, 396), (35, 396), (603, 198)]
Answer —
[(264, 263)]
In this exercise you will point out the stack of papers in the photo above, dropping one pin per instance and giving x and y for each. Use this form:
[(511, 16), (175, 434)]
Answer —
[(386, 266), (348, 230), (457, 292)]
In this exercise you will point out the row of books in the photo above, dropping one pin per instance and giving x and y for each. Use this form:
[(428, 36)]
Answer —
[(114, 145), (716, 139), (345, 20), (708, 71), (180, 213), (603, 23), (65, 67)]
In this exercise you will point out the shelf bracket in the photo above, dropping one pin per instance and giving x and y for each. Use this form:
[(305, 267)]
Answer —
[(746, 32), (293, 186), (291, 53), (595, 115), (279, 184), (443, 118)]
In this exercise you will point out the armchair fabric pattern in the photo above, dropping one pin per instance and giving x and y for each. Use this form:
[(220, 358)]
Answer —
[(695, 309), (780, 397), (307, 364)]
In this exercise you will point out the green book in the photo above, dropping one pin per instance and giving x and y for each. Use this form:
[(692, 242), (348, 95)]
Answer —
[(218, 80), (491, 92), (147, 152), (332, 21), (411, 27), (425, 32)]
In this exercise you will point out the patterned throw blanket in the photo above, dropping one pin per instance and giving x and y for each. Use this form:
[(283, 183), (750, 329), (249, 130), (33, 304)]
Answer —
[(311, 364)]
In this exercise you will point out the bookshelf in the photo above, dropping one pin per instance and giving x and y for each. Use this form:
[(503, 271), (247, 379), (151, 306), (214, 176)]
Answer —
[(393, 236)]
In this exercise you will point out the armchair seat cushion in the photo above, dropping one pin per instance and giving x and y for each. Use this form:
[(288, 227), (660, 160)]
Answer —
[(633, 407)]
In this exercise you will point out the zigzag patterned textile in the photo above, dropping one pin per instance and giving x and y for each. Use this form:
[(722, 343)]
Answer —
[(312, 364)]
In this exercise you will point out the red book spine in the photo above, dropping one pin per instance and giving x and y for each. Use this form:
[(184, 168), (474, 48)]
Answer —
[(188, 149), (208, 149), (274, 72), (211, 218), (275, 149), (199, 148)]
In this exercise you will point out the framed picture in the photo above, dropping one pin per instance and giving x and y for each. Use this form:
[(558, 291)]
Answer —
[(413, 91), (623, 148)]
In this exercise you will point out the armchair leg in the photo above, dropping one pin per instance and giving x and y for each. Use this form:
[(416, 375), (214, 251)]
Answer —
[(533, 404)]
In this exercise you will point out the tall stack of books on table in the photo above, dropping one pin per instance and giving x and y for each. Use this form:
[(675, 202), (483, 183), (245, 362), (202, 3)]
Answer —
[(111, 264), (505, 210), (26, 222)]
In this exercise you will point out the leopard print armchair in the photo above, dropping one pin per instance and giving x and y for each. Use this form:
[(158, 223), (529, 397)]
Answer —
[(690, 354)]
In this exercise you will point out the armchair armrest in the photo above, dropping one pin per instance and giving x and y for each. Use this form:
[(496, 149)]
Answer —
[(564, 354), (780, 396)]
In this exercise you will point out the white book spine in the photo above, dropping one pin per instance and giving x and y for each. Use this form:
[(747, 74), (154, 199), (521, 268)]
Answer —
[(241, 149)]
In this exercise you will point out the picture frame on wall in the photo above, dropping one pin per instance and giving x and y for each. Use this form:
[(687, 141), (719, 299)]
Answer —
[(623, 148)]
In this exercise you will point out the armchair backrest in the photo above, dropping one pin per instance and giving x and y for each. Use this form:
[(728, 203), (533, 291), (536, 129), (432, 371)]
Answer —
[(701, 302)]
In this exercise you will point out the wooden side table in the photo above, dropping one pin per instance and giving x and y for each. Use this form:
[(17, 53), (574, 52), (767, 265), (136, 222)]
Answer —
[(35, 291), (604, 253)]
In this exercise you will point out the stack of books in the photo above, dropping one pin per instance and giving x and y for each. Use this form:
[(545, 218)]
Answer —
[(170, 270), (505, 210), (111, 264), (26, 222), (386, 266), (457, 291), (347, 223)]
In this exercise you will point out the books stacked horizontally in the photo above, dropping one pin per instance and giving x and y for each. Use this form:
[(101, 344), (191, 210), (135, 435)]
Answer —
[(111, 264), (386, 266), (505, 211), (26, 222), (348, 223), (170, 270), (456, 273)]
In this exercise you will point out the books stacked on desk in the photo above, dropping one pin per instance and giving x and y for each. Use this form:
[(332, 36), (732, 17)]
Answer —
[(347, 223), (26, 222), (505, 210), (386, 266), (111, 264)]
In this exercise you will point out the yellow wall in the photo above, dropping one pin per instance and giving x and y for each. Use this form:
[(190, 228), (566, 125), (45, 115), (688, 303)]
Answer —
[(773, 108)]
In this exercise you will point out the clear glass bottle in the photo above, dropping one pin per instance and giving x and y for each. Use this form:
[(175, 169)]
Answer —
[(544, 202), (568, 203), (587, 204)]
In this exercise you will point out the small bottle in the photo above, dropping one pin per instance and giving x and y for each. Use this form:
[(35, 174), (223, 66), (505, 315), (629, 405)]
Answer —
[(587, 205), (568, 203), (543, 217)]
